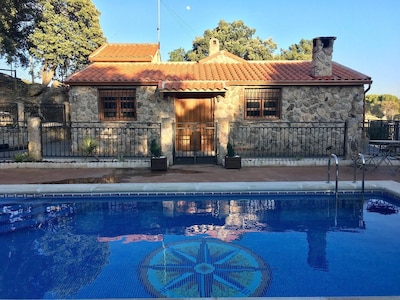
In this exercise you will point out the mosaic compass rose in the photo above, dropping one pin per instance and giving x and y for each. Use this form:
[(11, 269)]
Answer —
[(205, 268)]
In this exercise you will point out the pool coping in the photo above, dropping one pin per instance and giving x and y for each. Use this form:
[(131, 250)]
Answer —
[(391, 187)]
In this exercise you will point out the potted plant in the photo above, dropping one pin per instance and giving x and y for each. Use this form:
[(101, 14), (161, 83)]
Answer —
[(232, 160), (158, 162)]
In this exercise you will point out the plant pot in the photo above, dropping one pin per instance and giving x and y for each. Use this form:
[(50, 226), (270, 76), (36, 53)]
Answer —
[(159, 163), (233, 162)]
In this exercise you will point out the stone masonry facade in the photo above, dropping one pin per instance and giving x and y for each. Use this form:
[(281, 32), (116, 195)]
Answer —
[(299, 104)]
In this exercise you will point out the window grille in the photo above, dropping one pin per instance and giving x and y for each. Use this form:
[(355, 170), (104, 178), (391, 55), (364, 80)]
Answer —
[(117, 105), (262, 103)]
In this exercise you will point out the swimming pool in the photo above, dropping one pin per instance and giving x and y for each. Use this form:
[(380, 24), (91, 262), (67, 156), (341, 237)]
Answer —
[(198, 244)]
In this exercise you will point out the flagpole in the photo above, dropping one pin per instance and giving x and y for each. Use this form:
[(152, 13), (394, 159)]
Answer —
[(158, 23)]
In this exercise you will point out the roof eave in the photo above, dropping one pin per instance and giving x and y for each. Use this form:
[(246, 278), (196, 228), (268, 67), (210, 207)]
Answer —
[(193, 90), (110, 83), (229, 83), (303, 82), (133, 59)]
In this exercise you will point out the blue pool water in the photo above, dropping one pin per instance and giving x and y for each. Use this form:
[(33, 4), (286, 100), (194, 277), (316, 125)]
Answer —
[(209, 245)]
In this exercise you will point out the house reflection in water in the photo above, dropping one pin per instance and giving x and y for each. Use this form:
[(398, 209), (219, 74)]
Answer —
[(228, 220)]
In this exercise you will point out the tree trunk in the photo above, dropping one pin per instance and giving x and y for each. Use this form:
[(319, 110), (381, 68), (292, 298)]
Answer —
[(47, 74)]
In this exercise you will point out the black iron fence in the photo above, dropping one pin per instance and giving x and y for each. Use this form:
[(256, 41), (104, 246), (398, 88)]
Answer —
[(382, 130), (13, 139), (195, 142), (289, 139), (8, 114), (112, 140), (116, 140), (46, 112)]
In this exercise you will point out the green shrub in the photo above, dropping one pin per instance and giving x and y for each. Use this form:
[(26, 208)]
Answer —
[(89, 146), (22, 157), (230, 150), (155, 148)]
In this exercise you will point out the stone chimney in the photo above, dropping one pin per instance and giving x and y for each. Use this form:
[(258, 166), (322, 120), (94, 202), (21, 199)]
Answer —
[(321, 65), (214, 46)]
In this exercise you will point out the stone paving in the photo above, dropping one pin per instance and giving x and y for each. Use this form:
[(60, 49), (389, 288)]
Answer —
[(191, 173)]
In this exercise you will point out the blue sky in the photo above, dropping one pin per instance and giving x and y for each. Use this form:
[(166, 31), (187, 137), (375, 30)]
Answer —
[(367, 31)]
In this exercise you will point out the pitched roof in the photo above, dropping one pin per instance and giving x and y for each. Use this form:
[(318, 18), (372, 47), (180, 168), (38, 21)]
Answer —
[(207, 75), (125, 53), (222, 56)]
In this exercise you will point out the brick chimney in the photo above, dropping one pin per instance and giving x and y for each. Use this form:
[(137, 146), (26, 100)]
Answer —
[(321, 65), (214, 46)]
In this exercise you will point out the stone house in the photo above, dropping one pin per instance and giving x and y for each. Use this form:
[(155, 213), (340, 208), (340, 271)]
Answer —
[(201, 105)]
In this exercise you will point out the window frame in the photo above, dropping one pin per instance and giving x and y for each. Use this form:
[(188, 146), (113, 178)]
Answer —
[(119, 102), (262, 96)]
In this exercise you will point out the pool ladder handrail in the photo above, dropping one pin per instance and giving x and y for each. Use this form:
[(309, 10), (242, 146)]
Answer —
[(337, 171), (337, 180), (363, 172)]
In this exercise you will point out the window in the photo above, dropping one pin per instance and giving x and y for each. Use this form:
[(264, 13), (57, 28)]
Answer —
[(262, 103), (117, 105)]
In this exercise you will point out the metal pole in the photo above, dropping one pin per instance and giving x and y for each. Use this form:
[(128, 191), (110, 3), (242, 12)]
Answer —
[(158, 22)]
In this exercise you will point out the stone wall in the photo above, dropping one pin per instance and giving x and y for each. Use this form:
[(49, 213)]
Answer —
[(14, 90), (151, 106), (84, 104), (299, 104), (327, 104)]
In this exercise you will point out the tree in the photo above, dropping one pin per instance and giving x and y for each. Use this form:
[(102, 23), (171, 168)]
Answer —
[(380, 106), (177, 55), (234, 37), (68, 32), (17, 20), (300, 51), (391, 106)]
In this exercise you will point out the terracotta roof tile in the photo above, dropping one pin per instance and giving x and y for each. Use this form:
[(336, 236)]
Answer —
[(192, 86), (222, 56), (212, 76), (125, 53)]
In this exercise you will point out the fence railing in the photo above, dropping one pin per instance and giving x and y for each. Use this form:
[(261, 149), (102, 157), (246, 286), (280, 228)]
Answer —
[(116, 140), (13, 139), (8, 114), (289, 139), (112, 140), (382, 129), (47, 112)]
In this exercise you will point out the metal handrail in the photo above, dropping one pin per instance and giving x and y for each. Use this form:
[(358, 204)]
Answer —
[(337, 171), (363, 172)]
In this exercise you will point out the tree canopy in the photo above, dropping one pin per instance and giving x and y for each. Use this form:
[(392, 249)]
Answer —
[(234, 37), (60, 34), (67, 34), (17, 20), (300, 51), (380, 106), (238, 39)]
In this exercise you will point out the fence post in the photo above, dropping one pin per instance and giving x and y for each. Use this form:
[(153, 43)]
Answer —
[(167, 134), (353, 138), (396, 130), (67, 113), (223, 138), (34, 139), (20, 111)]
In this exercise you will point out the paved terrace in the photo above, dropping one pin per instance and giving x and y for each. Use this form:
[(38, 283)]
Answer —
[(191, 173)]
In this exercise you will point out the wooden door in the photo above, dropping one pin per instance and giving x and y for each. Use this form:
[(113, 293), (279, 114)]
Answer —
[(195, 130)]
